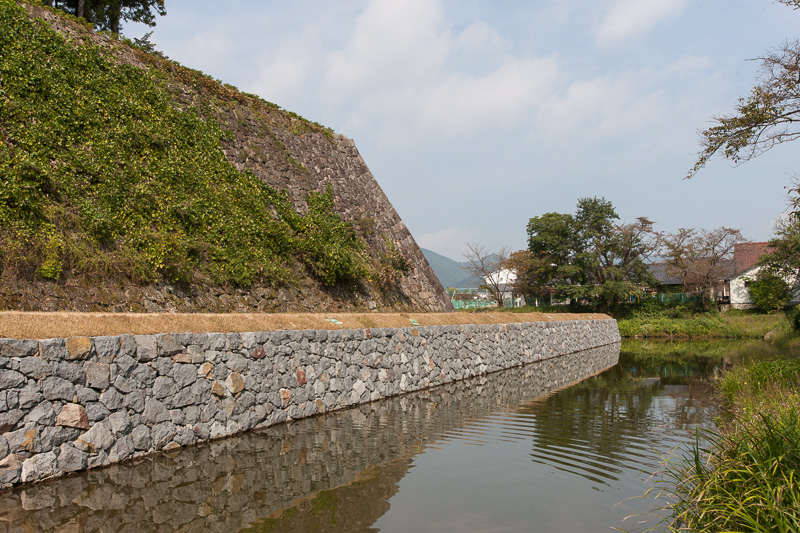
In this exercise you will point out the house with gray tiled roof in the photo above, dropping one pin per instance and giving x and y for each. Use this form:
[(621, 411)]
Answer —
[(665, 276)]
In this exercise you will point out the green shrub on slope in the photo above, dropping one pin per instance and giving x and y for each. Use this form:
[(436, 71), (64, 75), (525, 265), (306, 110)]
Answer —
[(102, 174)]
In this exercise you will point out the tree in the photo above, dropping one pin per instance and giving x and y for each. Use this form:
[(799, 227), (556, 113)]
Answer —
[(531, 280), (702, 258), (769, 116), (588, 255), (769, 291), (106, 15), (784, 257), (485, 264)]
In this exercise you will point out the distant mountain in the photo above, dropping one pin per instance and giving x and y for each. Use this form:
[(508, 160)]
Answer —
[(450, 272)]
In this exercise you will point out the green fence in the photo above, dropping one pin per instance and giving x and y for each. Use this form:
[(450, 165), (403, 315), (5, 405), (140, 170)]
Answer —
[(677, 297), (473, 304)]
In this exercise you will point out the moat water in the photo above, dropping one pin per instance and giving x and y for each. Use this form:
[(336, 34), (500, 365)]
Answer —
[(501, 453)]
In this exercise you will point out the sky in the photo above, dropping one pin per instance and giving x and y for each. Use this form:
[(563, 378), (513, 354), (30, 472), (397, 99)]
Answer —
[(476, 115)]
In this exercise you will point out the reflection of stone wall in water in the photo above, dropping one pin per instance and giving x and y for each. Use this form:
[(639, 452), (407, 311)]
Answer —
[(71, 404), (224, 485)]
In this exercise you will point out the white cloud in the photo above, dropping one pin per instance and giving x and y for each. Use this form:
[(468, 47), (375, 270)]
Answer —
[(604, 106), (394, 42), (628, 19), (276, 82), (463, 104), (447, 242)]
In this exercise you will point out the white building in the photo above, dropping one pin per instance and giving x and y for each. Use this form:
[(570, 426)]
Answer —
[(504, 280), (745, 257)]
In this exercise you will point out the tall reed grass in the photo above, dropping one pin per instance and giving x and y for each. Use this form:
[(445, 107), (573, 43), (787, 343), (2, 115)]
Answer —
[(747, 475)]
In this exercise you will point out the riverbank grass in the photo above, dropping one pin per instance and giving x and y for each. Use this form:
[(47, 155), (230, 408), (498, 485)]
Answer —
[(731, 324), (748, 478)]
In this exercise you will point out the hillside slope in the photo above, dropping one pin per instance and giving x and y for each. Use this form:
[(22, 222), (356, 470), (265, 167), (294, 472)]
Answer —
[(451, 273), (133, 183)]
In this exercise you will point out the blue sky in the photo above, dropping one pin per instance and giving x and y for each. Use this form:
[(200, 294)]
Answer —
[(476, 115)]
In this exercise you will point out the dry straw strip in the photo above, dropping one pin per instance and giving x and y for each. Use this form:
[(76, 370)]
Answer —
[(26, 325)]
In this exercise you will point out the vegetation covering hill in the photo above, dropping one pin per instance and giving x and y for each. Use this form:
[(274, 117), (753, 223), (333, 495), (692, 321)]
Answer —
[(122, 170), (450, 273)]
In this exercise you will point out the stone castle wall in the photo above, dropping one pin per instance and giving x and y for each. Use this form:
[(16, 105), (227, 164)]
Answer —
[(71, 404), (229, 484), (286, 152)]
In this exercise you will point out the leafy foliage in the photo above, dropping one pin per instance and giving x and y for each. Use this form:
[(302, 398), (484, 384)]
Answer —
[(701, 257), (769, 291), (102, 174), (589, 256), (745, 477), (327, 246), (392, 266), (762, 120), (106, 15), (783, 260)]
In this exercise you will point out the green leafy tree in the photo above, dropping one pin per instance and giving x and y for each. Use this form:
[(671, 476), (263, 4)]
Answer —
[(784, 257), (106, 15), (769, 291), (589, 255)]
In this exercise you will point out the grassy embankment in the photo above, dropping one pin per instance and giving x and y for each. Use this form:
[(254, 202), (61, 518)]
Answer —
[(746, 479), (663, 321), (22, 325), (107, 177)]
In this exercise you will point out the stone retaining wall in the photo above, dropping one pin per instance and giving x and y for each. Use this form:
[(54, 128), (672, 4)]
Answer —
[(71, 404), (229, 484)]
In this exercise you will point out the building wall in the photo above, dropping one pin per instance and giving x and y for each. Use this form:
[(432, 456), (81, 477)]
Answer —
[(77, 403), (740, 294)]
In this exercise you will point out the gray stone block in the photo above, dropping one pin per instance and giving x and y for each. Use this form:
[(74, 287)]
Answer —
[(140, 437), (35, 368), (112, 399), (39, 467), (96, 411), (29, 396), (71, 371), (162, 434), (120, 424), (168, 345), (98, 375), (106, 348), (122, 449), (18, 348), (10, 379), (184, 374), (56, 388), (71, 459), (154, 412), (134, 401), (98, 438), (164, 387), (43, 414), (53, 437), (146, 347)]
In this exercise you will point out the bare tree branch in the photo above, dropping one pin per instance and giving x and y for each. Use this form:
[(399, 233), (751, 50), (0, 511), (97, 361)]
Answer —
[(485, 264)]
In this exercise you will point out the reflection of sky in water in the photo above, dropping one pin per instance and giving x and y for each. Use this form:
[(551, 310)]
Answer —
[(551, 465)]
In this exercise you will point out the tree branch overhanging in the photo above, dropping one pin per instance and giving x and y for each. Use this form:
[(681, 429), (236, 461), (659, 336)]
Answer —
[(769, 116)]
